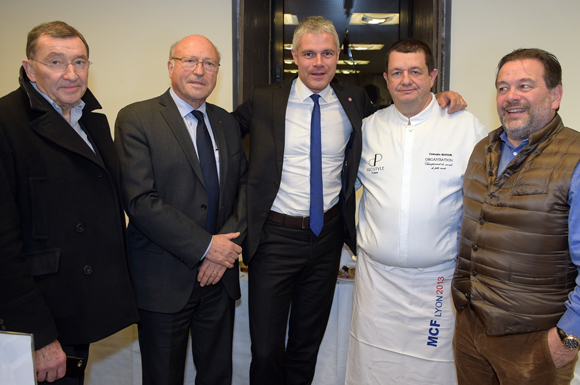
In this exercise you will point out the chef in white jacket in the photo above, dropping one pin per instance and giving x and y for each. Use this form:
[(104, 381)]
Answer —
[(412, 165)]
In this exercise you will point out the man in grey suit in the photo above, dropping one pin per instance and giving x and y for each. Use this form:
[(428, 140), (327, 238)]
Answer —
[(184, 189)]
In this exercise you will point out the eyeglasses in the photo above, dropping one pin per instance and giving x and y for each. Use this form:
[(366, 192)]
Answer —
[(60, 65), (191, 62)]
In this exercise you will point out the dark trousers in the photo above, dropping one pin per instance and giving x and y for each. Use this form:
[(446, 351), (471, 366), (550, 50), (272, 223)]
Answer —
[(292, 271), (209, 316), (514, 359), (81, 351)]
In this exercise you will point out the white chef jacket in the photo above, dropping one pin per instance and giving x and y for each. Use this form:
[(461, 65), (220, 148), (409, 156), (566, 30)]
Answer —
[(409, 215), (412, 176)]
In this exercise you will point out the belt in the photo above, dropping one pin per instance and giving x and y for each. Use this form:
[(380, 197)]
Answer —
[(299, 222)]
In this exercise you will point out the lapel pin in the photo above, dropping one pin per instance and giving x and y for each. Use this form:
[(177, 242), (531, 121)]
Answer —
[(350, 99)]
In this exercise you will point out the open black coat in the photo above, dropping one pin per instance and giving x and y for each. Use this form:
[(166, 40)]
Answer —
[(63, 259)]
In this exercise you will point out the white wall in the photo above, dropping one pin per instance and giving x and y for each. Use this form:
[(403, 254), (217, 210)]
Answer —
[(129, 43), (484, 31)]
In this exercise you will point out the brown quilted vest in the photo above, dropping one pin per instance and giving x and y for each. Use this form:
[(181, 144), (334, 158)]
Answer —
[(514, 264)]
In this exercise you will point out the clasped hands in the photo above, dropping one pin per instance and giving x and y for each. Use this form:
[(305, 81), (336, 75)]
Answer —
[(222, 255)]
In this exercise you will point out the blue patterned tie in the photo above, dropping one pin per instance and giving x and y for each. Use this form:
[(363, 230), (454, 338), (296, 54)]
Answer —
[(316, 199), (206, 156)]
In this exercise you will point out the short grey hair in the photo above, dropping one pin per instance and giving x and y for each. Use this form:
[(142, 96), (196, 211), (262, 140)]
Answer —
[(316, 25)]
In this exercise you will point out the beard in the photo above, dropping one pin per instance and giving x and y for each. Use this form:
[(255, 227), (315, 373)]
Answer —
[(536, 118)]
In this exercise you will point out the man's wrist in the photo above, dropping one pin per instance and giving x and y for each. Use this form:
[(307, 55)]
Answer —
[(569, 341)]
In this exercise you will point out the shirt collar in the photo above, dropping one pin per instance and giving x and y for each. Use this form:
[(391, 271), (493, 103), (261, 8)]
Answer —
[(76, 111), (421, 116), (510, 145), (184, 107), (304, 92)]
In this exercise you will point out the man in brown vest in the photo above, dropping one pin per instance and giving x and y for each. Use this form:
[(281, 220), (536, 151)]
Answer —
[(515, 286)]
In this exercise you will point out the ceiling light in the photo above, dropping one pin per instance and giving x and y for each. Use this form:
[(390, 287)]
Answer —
[(347, 72), (374, 18), (367, 47), (356, 62), (290, 19)]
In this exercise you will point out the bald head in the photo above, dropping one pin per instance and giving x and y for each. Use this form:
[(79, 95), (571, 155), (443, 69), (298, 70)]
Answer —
[(193, 68)]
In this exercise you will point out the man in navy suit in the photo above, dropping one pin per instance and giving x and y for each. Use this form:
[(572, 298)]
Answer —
[(184, 186)]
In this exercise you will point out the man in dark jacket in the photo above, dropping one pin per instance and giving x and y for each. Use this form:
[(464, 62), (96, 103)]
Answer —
[(64, 274)]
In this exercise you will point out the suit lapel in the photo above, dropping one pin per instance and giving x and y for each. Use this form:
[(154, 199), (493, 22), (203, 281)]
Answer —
[(175, 122), (279, 105), (222, 145), (349, 107), (355, 118), (55, 128)]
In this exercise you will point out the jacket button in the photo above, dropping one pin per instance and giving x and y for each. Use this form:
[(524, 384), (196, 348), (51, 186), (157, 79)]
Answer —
[(276, 184), (490, 173), (474, 273), (474, 247), (1, 321), (80, 228), (481, 221), (265, 212), (203, 207), (2, 327), (88, 269)]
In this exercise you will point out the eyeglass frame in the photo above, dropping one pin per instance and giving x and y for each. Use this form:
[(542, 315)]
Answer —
[(203, 63), (89, 63)]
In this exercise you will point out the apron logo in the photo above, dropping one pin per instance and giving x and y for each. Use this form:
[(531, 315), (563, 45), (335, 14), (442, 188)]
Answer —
[(433, 338)]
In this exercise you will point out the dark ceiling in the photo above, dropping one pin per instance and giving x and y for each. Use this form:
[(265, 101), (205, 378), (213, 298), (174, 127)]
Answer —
[(334, 10)]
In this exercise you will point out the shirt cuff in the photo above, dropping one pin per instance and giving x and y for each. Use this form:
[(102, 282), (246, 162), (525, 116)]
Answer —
[(207, 250), (570, 323)]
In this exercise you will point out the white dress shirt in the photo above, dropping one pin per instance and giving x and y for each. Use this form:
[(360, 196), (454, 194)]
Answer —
[(191, 124), (294, 194)]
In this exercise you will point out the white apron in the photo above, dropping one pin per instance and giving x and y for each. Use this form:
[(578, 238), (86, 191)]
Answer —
[(402, 325)]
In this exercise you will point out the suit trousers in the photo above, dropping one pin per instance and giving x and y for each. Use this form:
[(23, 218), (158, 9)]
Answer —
[(513, 359), (295, 272), (209, 316)]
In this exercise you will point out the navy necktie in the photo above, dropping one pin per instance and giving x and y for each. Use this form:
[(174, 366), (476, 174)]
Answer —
[(316, 199), (206, 156)]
